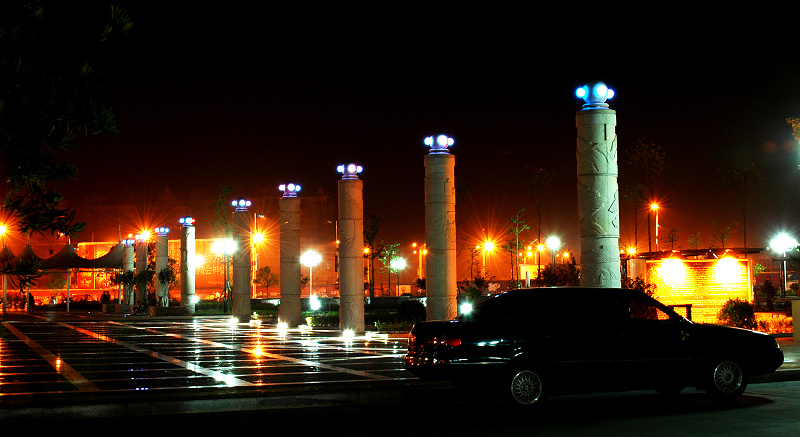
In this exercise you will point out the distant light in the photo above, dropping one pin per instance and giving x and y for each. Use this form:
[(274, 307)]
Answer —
[(349, 171), (310, 258), (232, 322), (289, 190), (161, 231), (186, 221), (240, 204), (314, 303), (783, 243), (227, 246), (348, 335), (282, 328), (488, 246), (595, 95), (553, 243), (128, 241), (728, 271), (440, 145), (673, 272), (466, 308), (194, 299), (397, 263)]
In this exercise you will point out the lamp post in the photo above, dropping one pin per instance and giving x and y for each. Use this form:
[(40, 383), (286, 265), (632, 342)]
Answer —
[(224, 248), (654, 207), (554, 243), (488, 246), (397, 264), (310, 259), (421, 251), (783, 243)]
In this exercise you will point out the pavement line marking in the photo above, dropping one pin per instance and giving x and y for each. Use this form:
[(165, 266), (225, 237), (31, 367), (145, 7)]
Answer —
[(75, 378), (362, 373), (229, 380)]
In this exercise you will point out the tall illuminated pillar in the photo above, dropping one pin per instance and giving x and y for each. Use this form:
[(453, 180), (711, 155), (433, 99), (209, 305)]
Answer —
[(440, 229), (242, 273), (140, 254), (351, 249), (598, 192), (188, 254), (128, 266), (290, 310), (162, 262)]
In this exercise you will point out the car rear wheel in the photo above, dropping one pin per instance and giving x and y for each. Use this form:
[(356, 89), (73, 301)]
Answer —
[(525, 388), (728, 380)]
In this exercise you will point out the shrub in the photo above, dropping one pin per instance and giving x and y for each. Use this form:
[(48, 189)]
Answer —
[(739, 313)]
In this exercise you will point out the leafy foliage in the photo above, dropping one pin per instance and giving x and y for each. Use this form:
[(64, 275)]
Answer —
[(739, 313)]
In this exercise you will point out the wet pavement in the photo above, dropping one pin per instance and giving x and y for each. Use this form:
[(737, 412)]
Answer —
[(98, 365)]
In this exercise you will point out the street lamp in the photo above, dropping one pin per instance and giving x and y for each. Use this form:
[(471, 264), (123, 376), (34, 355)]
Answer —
[(439, 145), (783, 243), (311, 259), (553, 243), (654, 207), (488, 246), (421, 252), (397, 264)]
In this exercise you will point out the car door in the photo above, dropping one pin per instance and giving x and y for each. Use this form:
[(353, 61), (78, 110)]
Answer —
[(653, 345)]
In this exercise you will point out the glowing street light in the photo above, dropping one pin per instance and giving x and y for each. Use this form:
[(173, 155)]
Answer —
[(395, 265), (310, 259), (421, 252), (488, 246), (783, 243), (553, 243), (595, 95), (654, 207), (439, 145)]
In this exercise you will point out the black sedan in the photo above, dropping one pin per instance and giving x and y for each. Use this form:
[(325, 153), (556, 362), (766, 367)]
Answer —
[(531, 343)]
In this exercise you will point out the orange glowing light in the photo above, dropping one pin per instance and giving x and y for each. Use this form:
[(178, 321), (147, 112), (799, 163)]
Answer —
[(728, 271)]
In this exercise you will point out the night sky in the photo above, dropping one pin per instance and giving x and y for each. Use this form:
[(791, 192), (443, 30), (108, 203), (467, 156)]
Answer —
[(255, 98)]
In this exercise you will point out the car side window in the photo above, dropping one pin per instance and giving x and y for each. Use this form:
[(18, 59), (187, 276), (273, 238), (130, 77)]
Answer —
[(645, 309)]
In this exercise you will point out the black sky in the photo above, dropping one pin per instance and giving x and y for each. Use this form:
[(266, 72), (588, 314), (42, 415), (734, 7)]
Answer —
[(252, 98)]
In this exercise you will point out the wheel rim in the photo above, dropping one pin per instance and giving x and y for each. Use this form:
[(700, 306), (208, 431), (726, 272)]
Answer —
[(526, 387), (728, 377)]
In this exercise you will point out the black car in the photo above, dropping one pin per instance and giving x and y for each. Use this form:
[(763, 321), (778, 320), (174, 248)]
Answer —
[(530, 343)]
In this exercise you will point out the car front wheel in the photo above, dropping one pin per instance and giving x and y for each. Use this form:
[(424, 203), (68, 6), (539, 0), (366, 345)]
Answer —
[(525, 387), (728, 380)]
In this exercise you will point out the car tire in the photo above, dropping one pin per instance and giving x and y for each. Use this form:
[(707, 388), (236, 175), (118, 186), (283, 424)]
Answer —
[(525, 388), (725, 379)]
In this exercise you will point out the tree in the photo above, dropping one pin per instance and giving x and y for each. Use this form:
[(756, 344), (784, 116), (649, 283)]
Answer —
[(694, 241), (743, 182), (49, 98), (387, 253), (537, 181), (720, 234), (647, 160), (265, 277), (672, 238), (634, 194), (515, 228), (372, 252), (224, 228)]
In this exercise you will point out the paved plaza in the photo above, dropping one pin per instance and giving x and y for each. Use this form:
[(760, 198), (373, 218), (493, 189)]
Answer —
[(98, 364), (93, 364)]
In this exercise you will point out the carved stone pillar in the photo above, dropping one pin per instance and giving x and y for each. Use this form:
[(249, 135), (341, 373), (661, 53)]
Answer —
[(598, 191)]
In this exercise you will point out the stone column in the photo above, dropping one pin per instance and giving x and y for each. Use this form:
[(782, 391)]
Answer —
[(242, 272), (188, 251), (140, 253), (290, 310), (162, 262), (351, 250), (598, 192), (128, 266), (440, 229)]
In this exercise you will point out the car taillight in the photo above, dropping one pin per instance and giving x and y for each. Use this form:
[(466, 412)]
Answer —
[(441, 341)]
